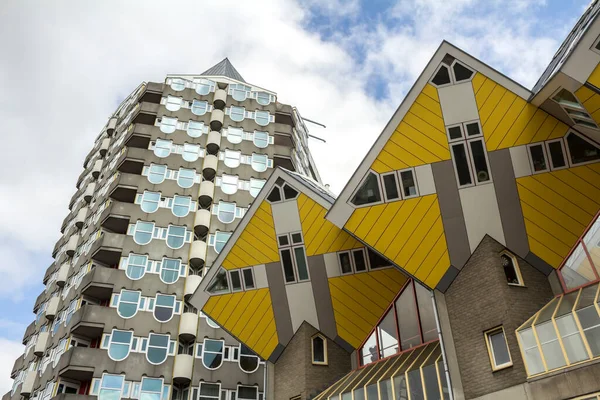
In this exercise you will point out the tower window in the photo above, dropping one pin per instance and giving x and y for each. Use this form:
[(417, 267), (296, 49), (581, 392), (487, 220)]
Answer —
[(369, 191), (511, 269), (200, 107), (469, 154), (495, 340), (212, 353), (247, 361), (168, 124), (319, 350), (293, 257), (158, 348)]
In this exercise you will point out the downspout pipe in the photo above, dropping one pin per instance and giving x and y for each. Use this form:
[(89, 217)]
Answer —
[(439, 331)]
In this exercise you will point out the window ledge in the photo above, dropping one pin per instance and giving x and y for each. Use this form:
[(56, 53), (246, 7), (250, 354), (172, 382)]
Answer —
[(516, 285), (503, 367)]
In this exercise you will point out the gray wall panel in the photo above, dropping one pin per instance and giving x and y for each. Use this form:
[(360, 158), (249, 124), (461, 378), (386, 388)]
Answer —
[(281, 308)]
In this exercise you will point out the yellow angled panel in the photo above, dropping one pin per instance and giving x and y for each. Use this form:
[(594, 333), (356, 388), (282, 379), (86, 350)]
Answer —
[(324, 245), (230, 304), (542, 236), (356, 218), (319, 238), (419, 111), (566, 185), (356, 285), (484, 92), (545, 130), (351, 243), (498, 113), (386, 216), (380, 167), (241, 308), (532, 127), (416, 238), (252, 232), (518, 126), (426, 246), (559, 130), (502, 129), (253, 305), (407, 206), (431, 258), (265, 337), (210, 304), (266, 207), (431, 146), (477, 81), (431, 91), (307, 208), (410, 226), (267, 219), (415, 148), (438, 271), (594, 78), (491, 103), (545, 253), (301, 200), (584, 94), (369, 220), (592, 104), (339, 242), (390, 160), (261, 315), (216, 311), (572, 177), (431, 105)]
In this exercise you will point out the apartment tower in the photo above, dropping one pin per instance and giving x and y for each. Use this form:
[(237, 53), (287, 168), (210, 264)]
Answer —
[(162, 189)]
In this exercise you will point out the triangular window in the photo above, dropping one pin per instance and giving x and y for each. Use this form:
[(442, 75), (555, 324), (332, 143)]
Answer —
[(369, 191), (582, 150), (461, 73), (442, 76)]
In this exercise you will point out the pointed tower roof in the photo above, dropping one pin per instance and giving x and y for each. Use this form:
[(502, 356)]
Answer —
[(224, 68)]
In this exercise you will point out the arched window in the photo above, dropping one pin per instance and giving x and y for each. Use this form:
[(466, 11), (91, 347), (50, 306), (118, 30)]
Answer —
[(259, 162), (158, 348), (168, 124), (173, 103), (111, 387), (229, 184), (191, 152), (204, 86), (157, 173), (119, 344), (232, 158), (226, 213), (186, 177), (195, 129), (237, 113), (263, 98), (221, 239), (261, 139), (150, 201), (255, 186), (262, 118), (199, 107), (239, 92), (164, 307), (247, 361), (128, 303), (212, 353), (247, 392), (181, 205), (319, 349), (143, 231), (511, 269), (136, 266), (176, 236), (151, 388), (177, 84), (170, 268), (235, 135)]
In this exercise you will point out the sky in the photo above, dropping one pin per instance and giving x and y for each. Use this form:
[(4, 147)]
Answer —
[(66, 65)]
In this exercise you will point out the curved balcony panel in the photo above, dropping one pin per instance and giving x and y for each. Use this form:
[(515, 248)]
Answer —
[(63, 274), (78, 363), (72, 245), (220, 99), (52, 307), (182, 370), (206, 193), (131, 160), (188, 326), (202, 222), (198, 253), (90, 189), (18, 365), (110, 127), (30, 330), (42, 342), (58, 245), (191, 284), (27, 385), (216, 120), (209, 169), (138, 136), (213, 142), (97, 168), (122, 187), (107, 248), (147, 113), (81, 216), (88, 321), (99, 283), (40, 299), (104, 146)]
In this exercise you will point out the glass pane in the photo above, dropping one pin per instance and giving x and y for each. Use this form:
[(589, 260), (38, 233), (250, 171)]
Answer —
[(407, 319), (481, 168), (318, 349), (442, 77), (426, 313), (415, 385), (509, 269), (473, 129), (592, 242), (430, 378), (368, 191), (288, 267), (391, 186), (236, 283), (359, 260), (571, 338), (219, 283), (345, 265), (369, 351), (455, 132), (550, 346), (577, 269), (409, 187), (388, 337), (385, 390), (372, 392), (462, 164), (499, 349), (581, 150), (301, 263), (248, 278), (461, 73), (557, 155)]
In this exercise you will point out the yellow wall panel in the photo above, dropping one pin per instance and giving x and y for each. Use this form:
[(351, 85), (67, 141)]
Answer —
[(406, 232), (491, 103), (477, 81), (360, 300), (557, 207), (594, 78)]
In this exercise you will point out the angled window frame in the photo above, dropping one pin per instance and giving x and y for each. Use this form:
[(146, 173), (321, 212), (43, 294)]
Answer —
[(359, 186), (516, 267), (325, 351), (583, 137), (450, 74), (530, 157), (487, 335)]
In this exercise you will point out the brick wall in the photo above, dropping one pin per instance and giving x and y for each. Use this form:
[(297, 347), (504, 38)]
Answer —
[(480, 299), (295, 373)]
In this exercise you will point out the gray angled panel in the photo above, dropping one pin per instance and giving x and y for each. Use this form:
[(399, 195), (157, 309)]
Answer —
[(539, 264), (224, 68), (279, 300), (509, 205), (447, 279), (452, 213), (322, 296)]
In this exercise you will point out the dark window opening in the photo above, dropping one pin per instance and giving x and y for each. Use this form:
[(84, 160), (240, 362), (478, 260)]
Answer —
[(462, 164), (538, 158), (581, 150), (461, 73), (376, 261), (481, 168), (557, 155), (368, 191), (391, 186), (275, 195), (442, 77)]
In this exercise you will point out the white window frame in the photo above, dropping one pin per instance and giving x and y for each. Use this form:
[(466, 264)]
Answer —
[(398, 189), (177, 84), (312, 350), (117, 299), (146, 346), (232, 158), (212, 240), (564, 153), (450, 74), (401, 185), (162, 145), (247, 398), (291, 246), (246, 287), (530, 158), (487, 336), (358, 187), (516, 267), (222, 352), (170, 126), (206, 397), (569, 159), (107, 343), (172, 103), (466, 141), (203, 129)]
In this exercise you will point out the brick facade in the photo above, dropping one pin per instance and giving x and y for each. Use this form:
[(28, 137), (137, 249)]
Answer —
[(295, 373), (480, 299)]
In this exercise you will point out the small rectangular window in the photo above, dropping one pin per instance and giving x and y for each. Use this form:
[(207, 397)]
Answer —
[(473, 129), (454, 133), (461, 163), (556, 151), (390, 186), (248, 278), (360, 262), (301, 263), (498, 349), (537, 158), (236, 282), (297, 238), (345, 263), (283, 240), (478, 154), (409, 185), (288, 266)]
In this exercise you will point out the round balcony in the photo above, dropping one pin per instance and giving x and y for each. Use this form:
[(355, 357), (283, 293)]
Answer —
[(206, 193), (216, 120), (188, 326), (72, 245), (97, 168), (202, 222), (220, 99), (52, 307), (213, 142), (198, 253), (81, 216), (89, 191), (40, 345), (62, 275), (104, 146), (209, 169), (112, 124), (182, 370), (191, 284)]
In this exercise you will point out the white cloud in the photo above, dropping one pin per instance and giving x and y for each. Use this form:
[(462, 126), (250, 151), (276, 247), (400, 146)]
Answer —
[(66, 66), (11, 350)]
